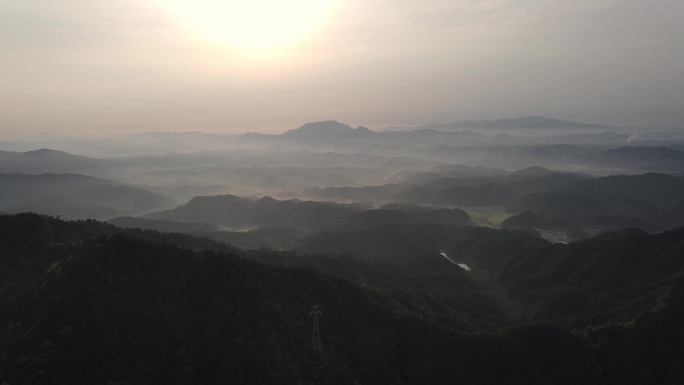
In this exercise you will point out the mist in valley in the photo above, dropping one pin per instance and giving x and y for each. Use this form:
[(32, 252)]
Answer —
[(328, 192), (543, 230), (555, 177)]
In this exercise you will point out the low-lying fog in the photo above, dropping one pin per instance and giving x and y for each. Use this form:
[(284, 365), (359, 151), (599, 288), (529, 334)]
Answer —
[(553, 180)]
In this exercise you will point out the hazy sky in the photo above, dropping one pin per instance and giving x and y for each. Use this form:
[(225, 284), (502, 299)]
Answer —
[(107, 66)]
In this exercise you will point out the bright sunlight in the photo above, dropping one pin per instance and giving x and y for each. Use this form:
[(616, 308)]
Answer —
[(253, 23)]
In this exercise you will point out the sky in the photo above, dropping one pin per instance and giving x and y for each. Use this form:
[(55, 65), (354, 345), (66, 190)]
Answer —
[(117, 66)]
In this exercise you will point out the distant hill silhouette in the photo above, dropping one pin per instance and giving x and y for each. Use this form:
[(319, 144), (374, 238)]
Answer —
[(53, 161), (660, 190), (481, 195), (237, 212), (557, 200), (328, 128), (648, 201), (643, 158), (523, 122), (75, 196)]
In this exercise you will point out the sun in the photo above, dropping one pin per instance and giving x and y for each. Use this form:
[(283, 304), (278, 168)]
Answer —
[(252, 23)]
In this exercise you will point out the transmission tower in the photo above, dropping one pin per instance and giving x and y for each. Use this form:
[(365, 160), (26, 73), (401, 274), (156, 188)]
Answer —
[(316, 336), (286, 245)]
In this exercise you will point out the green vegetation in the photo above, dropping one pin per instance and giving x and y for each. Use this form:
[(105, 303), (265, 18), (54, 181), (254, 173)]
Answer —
[(86, 302)]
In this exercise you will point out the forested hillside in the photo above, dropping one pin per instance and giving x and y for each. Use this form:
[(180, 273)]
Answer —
[(86, 302)]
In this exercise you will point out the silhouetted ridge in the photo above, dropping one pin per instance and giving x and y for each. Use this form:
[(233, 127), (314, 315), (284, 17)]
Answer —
[(523, 122), (237, 212), (53, 161), (75, 196), (329, 128)]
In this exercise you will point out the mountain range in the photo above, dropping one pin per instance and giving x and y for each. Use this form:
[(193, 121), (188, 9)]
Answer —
[(531, 250), (536, 122)]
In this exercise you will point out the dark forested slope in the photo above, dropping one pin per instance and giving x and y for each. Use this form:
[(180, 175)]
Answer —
[(234, 211), (85, 302)]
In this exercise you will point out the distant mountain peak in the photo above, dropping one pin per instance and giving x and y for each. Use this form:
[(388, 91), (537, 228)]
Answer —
[(45, 151), (326, 128)]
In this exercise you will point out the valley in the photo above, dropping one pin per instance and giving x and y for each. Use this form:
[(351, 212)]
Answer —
[(328, 192), (473, 260)]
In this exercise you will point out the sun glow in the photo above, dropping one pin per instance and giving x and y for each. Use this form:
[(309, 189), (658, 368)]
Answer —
[(253, 23)]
